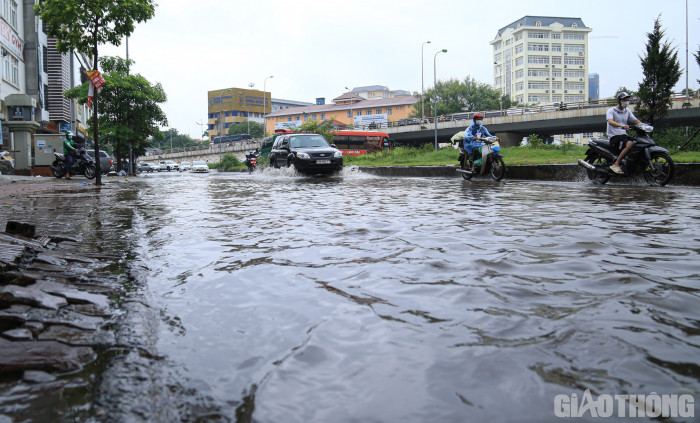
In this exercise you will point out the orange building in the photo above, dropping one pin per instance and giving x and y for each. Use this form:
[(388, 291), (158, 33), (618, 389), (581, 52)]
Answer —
[(349, 109)]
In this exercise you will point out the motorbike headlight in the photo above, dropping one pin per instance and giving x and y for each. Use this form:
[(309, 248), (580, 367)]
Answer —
[(338, 154), (301, 155)]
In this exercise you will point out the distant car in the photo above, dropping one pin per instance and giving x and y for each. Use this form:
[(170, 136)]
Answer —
[(409, 121), (106, 165), (200, 167), (184, 166), (144, 167), (308, 153), (168, 165)]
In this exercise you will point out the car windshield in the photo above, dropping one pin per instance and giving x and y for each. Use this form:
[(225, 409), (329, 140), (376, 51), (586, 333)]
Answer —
[(307, 141), (199, 163), (185, 163)]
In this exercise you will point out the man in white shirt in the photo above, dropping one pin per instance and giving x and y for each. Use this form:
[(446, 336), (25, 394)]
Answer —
[(619, 118)]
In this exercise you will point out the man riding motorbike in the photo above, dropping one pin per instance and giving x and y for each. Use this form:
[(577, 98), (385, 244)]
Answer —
[(69, 149), (472, 137), (618, 119)]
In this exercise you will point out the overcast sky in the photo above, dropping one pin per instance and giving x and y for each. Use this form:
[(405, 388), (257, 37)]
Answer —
[(317, 48)]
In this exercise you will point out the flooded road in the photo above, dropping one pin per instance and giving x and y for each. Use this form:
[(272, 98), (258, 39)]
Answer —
[(360, 298), (280, 298)]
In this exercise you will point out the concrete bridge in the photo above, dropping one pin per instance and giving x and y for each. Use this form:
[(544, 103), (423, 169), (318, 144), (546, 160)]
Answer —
[(210, 153), (543, 121)]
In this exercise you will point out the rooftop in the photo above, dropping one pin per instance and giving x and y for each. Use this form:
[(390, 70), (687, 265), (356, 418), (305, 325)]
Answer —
[(545, 20), (364, 104)]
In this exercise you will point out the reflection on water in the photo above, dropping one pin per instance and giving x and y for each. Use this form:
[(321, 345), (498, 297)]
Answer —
[(357, 298)]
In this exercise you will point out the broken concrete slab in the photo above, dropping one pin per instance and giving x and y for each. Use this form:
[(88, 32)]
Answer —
[(24, 313), (14, 294)]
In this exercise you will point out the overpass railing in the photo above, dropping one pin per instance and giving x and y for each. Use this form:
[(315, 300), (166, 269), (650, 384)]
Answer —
[(516, 111)]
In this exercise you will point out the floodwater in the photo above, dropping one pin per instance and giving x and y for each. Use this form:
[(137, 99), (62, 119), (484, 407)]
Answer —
[(356, 298)]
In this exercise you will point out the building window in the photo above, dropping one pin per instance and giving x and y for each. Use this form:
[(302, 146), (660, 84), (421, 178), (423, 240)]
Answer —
[(538, 23), (574, 25), (556, 85), (519, 61), (556, 60), (538, 72), (368, 112), (538, 47), (9, 12), (573, 98), (538, 35), (573, 36), (519, 37), (573, 74), (518, 48), (349, 113), (573, 61), (519, 86), (226, 125), (358, 112), (314, 116), (556, 36), (519, 74), (379, 111), (556, 47), (556, 73), (289, 118), (538, 85), (540, 60), (574, 86), (498, 57), (388, 110), (211, 127), (508, 41), (323, 116)]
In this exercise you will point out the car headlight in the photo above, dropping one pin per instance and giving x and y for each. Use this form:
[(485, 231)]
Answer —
[(303, 156), (338, 154)]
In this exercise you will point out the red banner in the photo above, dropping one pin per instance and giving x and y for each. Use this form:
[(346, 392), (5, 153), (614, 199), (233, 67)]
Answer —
[(96, 78)]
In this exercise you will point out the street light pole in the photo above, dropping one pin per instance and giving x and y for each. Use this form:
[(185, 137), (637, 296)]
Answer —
[(265, 102), (422, 90), (221, 121), (435, 92)]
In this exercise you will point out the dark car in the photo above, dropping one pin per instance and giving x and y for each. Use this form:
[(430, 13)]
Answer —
[(409, 121), (308, 153)]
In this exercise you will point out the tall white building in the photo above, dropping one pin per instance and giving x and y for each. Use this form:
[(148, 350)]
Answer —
[(541, 59)]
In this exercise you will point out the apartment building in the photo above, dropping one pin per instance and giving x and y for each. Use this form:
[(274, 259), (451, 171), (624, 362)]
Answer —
[(541, 59)]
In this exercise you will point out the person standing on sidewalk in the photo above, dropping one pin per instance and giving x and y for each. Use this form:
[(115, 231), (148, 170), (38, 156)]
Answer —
[(68, 152), (618, 118)]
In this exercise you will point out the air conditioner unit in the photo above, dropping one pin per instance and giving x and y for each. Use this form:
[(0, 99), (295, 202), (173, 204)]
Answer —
[(564, 65), (565, 91), (566, 79), (580, 53), (566, 54), (546, 66), (581, 67), (546, 91), (580, 79), (580, 92), (547, 79)]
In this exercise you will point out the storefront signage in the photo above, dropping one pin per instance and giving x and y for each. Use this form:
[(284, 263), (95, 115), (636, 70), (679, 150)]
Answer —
[(10, 40)]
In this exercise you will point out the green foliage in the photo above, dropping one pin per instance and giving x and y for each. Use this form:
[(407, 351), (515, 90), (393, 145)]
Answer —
[(454, 96), (534, 141), (315, 127), (662, 71), (129, 111), (228, 163), (84, 24), (673, 138), (257, 130), (165, 139)]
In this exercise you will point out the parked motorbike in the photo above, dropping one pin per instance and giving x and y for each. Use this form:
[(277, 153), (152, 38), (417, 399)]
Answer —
[(82, 164), (251, 161), (647, 158), (489, 159)]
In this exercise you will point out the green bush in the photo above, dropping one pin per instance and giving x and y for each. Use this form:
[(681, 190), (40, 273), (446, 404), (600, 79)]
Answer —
[(534, 141), (228, 162), (672, 138)]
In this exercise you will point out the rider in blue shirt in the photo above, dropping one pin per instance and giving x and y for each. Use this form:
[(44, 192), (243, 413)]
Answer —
[(473, 136)]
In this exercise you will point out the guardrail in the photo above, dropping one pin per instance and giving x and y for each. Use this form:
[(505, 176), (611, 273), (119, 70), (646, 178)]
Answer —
[(214, 148), (513, 111)]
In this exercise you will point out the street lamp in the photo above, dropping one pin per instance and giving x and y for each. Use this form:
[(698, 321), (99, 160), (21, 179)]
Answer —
[(435, 92), (221, 121), (247, 111), (265, 102), (422, 90)]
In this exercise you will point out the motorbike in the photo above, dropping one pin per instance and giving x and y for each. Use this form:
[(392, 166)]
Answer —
[(251, 161), (645, 157), (82, 164), (488, 159)]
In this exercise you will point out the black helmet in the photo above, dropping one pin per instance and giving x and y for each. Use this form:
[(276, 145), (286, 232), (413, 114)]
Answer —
[(623, 95)]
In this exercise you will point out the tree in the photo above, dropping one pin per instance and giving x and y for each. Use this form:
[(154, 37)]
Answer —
[(256, 129), (454, 96), (697, 59), (661, 73), (316, 127), (83, 25), (129, 110)]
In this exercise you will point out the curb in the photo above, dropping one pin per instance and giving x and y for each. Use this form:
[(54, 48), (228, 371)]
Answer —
[(687, 174)]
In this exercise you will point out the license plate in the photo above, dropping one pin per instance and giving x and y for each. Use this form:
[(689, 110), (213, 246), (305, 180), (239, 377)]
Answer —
[(323, 161)]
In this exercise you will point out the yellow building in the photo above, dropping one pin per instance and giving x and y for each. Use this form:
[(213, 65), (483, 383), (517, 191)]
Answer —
[(229, 106), (350, 109)]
